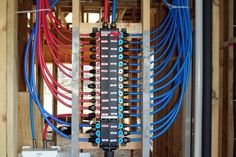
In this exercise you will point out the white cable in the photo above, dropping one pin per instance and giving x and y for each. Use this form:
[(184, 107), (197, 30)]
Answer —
[(31, 11)]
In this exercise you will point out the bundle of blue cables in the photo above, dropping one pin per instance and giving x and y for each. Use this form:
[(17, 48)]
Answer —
[(174, 40)]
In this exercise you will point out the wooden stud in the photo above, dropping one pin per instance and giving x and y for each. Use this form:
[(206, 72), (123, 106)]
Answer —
[(22, 33), (11, 78), (230, 133), (3, 79), (216, 105), (23, 121)]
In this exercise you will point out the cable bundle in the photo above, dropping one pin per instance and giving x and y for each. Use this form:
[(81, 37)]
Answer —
[(58, 51), (174, 38), (171, 38)]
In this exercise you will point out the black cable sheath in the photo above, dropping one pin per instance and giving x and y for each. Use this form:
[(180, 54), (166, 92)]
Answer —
[(207, 78)]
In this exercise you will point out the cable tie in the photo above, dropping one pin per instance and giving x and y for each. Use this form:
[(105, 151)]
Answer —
[(171, 6), (31, 11)]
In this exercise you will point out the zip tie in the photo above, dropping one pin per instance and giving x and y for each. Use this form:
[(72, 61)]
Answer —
[(176, 7), (31, 11)]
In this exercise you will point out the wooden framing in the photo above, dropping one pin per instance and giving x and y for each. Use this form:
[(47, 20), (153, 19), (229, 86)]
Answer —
[(222, 92), (216, 104), (8, 86), (24, 130), (230, 117), (3, 82), (8, 83), (11, 78)]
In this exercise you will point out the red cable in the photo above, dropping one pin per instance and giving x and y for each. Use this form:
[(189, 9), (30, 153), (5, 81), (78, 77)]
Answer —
[(84, 100), (55, 20), (85, 93), (41, 62), (84, 35), (85, 71), (84, 79), (48, 36), (84, 42), (106, 13)]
